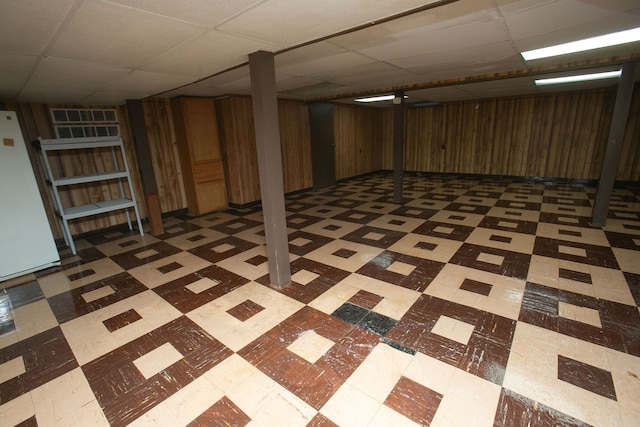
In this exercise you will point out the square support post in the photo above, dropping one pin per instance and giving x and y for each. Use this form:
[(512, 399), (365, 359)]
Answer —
[(267, 129), (398, 145), (614, 144)]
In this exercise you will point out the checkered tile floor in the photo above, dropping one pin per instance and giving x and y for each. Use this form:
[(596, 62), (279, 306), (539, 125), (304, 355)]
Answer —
[(475, 302)]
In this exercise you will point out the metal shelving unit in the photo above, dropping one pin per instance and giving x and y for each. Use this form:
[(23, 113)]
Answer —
[(120, 173)]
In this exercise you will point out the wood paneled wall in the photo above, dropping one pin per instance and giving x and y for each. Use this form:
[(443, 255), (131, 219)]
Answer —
[(358, 138), (555, 135), (35, 121), (164, 153), (559, 135), (235, 123)]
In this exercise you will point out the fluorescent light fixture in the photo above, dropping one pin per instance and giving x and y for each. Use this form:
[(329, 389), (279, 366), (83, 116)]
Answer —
[(621, 37), (579, 78), (377, 98)]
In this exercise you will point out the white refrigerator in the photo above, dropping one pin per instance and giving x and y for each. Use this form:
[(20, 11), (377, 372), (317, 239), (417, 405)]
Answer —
[(26, 240)]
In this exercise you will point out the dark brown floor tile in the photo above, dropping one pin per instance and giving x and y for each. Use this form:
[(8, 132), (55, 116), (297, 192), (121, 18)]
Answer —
[(569, 201), (236, 225), (310, 242), (133, 259), (321, 421), (365, 299), (511, 225), (305, 293), (169, 267), (620, 323), (468, 208), (222, 249), (181, 297), (374, 236), (415, 212), (85, 273), (515, 410), (591, 378), (346, 203), (314, 383), (125, 394), (484, 193), (45, 356), (577, 276), (513, 264), (121, 320), (423, 273), (414, 401), (476, 287), (90, 254), (294, 205), (528, 206), (633, 280), (444, 230), (298, 221), (561, 219), (622, 240), (223, 413), (486, 353), (178, 229), (601, 256), (245, 310), (29, 422), (70, 305), (623, 214), (356, 216)]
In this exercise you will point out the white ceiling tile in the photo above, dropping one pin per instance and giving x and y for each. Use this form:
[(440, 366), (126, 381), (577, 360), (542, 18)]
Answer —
[(208, 54), (74, 75), (559, 21), (15, 70), (42, 19), (309, 20), (470, 35), (111, 34), (48, 95), (313, 51), (152, 82), (328, 63), (206, 13)]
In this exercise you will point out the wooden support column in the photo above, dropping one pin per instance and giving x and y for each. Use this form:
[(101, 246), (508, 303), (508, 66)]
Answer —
[(267, 129), (145, 167), (614, 143), (398, 145)]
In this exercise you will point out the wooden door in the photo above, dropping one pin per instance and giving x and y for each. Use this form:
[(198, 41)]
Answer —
[(199, 148)]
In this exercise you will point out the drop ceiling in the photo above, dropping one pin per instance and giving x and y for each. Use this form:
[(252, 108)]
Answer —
[(99, 52)]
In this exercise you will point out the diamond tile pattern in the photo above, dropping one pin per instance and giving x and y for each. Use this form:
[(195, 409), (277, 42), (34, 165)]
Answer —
[(476, 301)]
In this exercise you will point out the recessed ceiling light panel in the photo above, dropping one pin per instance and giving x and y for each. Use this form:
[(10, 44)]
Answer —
[(579, 78), (613, 39)]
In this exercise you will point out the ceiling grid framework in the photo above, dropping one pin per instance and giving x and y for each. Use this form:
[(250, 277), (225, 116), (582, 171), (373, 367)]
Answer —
[(107, 51)]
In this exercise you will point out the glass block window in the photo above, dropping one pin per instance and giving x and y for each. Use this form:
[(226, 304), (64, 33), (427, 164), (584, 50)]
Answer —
[(82, 123)]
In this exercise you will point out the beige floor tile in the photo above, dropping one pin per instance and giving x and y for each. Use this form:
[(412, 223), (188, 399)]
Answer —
[(363, 254), (149, 274), (413, 245), (488, 237), (532, 372), (234, 333), (89, 338), (66, 401), (568, 233)]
